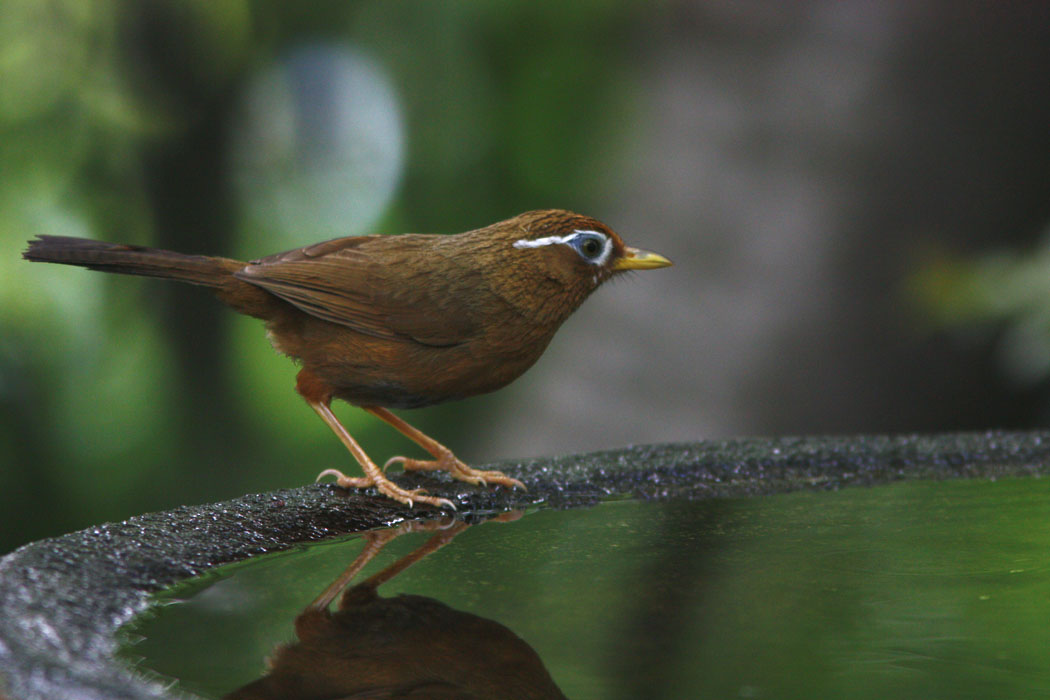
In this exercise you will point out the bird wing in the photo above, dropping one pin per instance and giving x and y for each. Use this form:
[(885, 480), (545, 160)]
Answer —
[(383, 286)]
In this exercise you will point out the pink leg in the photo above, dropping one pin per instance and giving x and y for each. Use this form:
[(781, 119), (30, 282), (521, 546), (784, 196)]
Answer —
[(443, 458)]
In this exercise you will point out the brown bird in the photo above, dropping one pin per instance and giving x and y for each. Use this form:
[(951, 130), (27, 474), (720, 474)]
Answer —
[(400, 321)]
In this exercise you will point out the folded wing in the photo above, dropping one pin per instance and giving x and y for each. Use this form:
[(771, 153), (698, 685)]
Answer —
[(402, 288)]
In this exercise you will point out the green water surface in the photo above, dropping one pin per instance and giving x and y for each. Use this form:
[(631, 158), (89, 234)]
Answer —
[(917, 590)]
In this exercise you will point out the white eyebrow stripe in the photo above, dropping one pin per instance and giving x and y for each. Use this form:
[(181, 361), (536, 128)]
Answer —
[(546, 240), (566, 240), (551, 240)]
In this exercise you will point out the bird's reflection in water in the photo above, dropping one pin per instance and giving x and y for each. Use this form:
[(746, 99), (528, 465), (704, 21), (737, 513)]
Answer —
[(408, 646)]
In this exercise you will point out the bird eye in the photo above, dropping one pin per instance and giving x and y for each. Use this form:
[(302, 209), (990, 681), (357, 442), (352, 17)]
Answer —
[(592, 247)]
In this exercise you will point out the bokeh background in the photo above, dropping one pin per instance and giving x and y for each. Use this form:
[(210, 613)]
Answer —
[(855, 195)]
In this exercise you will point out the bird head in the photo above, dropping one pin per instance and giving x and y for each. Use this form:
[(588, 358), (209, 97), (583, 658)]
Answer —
[(578, 250)]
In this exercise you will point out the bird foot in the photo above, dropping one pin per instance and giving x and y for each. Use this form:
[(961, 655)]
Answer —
[(386, 487), (458, 470)]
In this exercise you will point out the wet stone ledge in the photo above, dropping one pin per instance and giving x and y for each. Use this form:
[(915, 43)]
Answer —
[(63, 599)]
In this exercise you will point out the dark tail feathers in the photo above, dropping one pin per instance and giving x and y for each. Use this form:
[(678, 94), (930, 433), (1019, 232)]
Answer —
[(133, 260)]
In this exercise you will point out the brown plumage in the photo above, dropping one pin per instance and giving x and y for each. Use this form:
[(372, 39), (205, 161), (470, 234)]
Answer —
[(400, 321)]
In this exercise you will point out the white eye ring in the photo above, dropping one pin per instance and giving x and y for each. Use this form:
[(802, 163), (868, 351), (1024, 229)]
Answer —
[(574, 240)]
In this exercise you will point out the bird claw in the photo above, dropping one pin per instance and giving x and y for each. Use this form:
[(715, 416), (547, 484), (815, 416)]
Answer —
[(339, 476), (387, 488), (460, 471), (393, 460), (445, 503)]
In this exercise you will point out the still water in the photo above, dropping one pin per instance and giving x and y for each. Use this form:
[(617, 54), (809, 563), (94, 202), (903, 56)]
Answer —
[(918, 590)]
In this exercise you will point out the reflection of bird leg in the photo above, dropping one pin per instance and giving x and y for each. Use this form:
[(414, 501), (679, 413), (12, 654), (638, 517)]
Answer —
[(374, 543), (403, 646), (447, 528), (432, 545), (446, 534)]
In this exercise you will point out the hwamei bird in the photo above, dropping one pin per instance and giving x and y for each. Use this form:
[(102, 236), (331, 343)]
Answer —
[(400, 321)]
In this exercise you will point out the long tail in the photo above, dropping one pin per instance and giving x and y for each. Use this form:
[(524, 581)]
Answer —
[(216, 273), (131, 260)]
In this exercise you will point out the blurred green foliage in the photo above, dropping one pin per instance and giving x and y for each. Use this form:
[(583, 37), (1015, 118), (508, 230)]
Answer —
[(117, 120), (1004, 294)]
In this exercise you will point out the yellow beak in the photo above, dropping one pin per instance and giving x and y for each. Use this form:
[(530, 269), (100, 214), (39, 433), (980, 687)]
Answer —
[(634, 259)]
